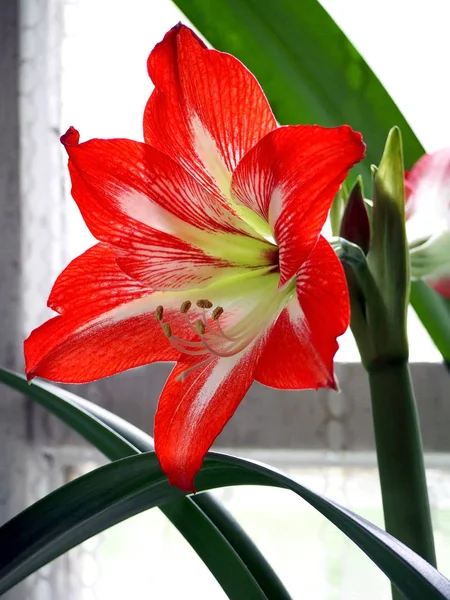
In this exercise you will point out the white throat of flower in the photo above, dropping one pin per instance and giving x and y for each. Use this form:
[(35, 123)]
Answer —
[(211, 337)]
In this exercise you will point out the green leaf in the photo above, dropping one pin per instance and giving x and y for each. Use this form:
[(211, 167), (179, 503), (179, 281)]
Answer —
[(434, 312), (126, 487), (312, 73), (229, 527), (236, 562)]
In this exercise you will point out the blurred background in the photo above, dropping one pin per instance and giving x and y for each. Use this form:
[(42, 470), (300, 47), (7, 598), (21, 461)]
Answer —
[(83, 63)]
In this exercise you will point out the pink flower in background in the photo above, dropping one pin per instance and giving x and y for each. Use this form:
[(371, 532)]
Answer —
[(428, 219)]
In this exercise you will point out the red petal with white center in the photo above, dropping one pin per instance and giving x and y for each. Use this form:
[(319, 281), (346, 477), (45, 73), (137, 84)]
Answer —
[(290, 179), (151, 210), (192, 413), (428, 186), (106, 324), (147, 186), (302, 343), (207, 110)]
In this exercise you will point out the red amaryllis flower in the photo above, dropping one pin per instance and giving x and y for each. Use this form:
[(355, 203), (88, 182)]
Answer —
[(428, 219), (210, 251)]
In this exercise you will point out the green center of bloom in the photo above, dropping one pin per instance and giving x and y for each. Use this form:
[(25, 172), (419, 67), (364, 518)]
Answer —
[(254, 221), (242, 300)]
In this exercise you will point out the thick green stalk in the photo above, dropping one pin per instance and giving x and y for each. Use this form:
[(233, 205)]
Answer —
[(400, 459), (383, 284)]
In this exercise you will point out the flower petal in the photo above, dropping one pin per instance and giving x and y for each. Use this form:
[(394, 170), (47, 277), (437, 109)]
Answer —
[(203, 392), (207, 109), (428, 196), (290, 179), (106, 324), (192, 413), (430, 261), (147, 186), (299, 353), (428, 182), (167, 231)]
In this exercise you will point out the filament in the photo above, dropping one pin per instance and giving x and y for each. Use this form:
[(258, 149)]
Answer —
[(212, 339)]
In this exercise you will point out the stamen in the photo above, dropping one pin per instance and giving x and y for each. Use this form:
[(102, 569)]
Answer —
[(207, 326), (200, 327), (187, 343), (185, 307), (223, 334), (211, 330), (182, 376), (204, 303), (218, 334), (217, 312), (167, 330), (223, 353), (183, 346), (179, 345), (189, 323)]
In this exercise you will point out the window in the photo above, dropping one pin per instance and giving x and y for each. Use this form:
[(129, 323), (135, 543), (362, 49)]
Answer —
[(83, 64)]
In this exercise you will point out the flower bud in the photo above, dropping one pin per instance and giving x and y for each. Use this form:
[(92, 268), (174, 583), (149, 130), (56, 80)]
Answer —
[(355, 225)]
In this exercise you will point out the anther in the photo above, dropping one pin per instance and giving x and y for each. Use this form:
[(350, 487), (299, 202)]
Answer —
[(217, 312), (167, 330), (185, 306), (200, 327), (203, 303), (159, 313)]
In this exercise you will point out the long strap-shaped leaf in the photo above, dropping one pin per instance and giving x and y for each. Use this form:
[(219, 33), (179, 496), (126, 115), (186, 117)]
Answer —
[(232, 531), (112, 493), (312, 73), (236, 562), (434, 312)]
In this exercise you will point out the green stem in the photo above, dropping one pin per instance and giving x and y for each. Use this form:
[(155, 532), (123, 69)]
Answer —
[(400, 459)]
